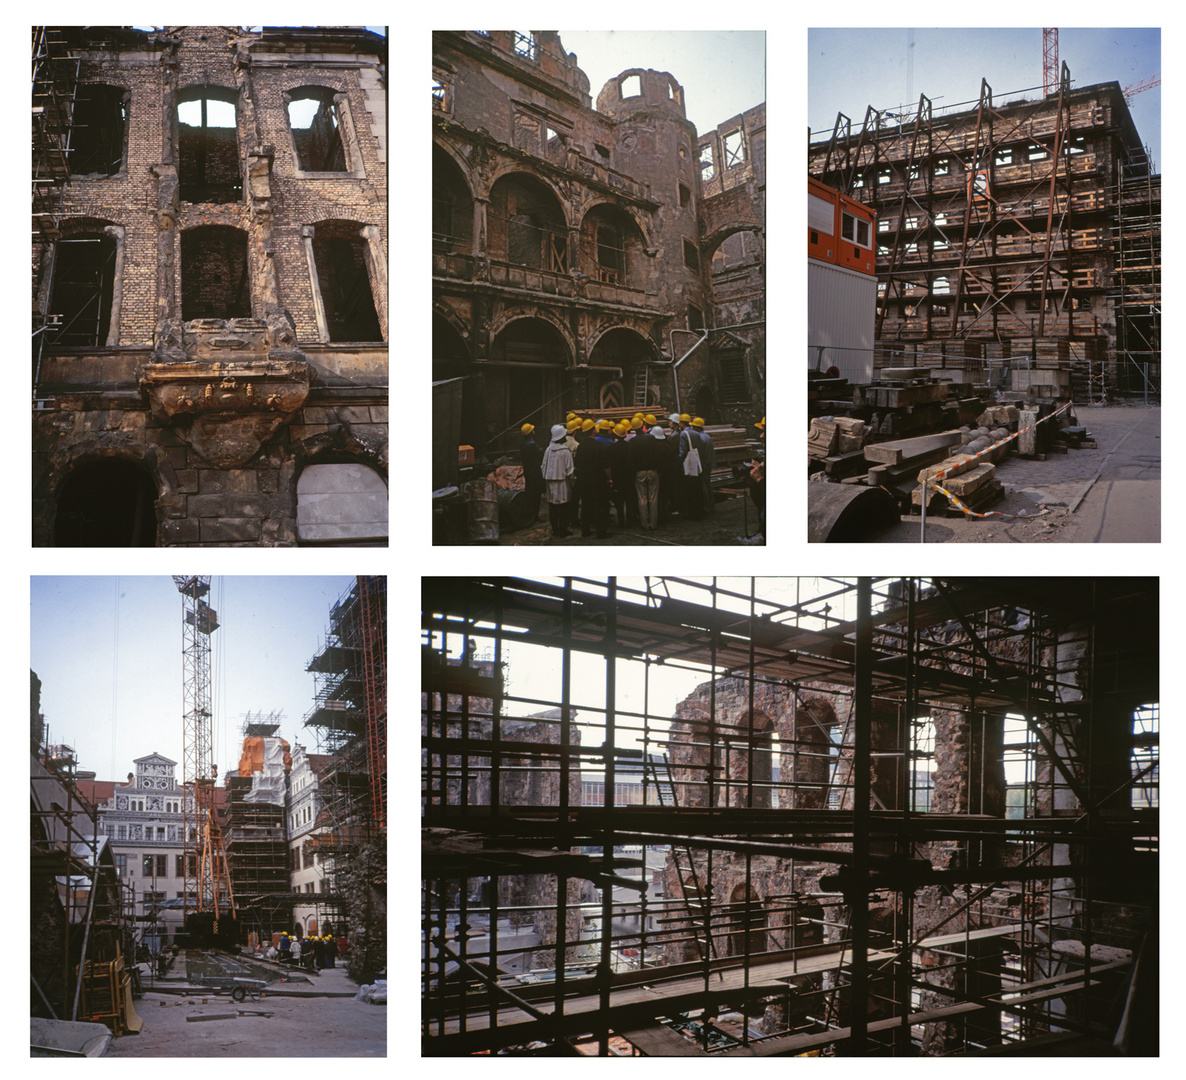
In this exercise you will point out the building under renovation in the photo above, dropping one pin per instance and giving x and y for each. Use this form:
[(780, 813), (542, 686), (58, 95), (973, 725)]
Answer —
[(1027, 229), (209, 280), (887, 816), (588, 254)]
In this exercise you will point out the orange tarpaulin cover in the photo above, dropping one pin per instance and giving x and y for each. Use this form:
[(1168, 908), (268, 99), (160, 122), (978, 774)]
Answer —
[(252, 760)]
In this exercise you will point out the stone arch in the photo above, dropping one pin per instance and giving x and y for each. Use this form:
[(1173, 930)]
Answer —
[(527, 222), (89, 455), (452, 203), (748, 921), (339, 488), (507, 316), (626, 349), (525, 376), (349, 278), (640, 222), (806, 762)]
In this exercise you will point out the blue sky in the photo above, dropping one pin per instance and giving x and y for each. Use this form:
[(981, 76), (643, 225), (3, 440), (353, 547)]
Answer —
[(850, 69), (108, 653)]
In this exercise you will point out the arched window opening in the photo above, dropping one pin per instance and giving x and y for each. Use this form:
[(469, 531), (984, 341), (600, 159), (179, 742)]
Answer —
[(526, 226), (747, 923), (340, 255), (97, 132), (452, 207), (208, 168), (84, 283), (214, 281), (342, 503), (315, 121), (106, 504)]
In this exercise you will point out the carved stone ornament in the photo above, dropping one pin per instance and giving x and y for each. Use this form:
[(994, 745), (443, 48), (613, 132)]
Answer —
[(226, 386)]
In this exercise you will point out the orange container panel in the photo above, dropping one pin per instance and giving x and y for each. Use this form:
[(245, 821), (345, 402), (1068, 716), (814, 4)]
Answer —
[(823, 221), (858, 228)]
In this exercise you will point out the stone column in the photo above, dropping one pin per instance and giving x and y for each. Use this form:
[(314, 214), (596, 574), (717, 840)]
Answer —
[(265, 290), (168, 206), (377, 267), (118, 234), (315, 284)]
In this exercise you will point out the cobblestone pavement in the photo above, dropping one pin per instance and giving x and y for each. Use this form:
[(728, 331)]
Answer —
[(1040, 495)]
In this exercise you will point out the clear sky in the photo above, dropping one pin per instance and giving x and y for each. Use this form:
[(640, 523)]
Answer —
[(723, 73), (108, 653), (850, 69)]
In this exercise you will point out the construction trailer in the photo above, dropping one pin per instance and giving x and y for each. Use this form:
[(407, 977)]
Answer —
[(841, 283), (894, 816)]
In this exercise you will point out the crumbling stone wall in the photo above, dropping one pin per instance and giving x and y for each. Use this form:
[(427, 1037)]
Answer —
[(94, 408)]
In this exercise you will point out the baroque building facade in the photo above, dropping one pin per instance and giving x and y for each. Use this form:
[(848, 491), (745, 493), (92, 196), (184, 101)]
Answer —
[(209, 286), (589, 257)]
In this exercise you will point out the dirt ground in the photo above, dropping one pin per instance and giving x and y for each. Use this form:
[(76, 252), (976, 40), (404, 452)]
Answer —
[(321, 1019), (1111, 492), (733, 520)]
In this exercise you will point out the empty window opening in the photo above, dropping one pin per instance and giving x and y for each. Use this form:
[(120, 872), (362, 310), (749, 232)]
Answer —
[(340, 255), (922, 764), (106, 504), (84, 280), (672, 92), (555, 145), (341, 503), (734, 149), (707, 168), (1035, 153), (611, 255), (313, 116), (452, 207), (695, 318), (208, 149), (630, 86), (691, 256), (685, 195), (214, 280), (884, 176), (526, 226), (440, 95), (1004, 156), (97, 133), (525, 45), (942, 166)]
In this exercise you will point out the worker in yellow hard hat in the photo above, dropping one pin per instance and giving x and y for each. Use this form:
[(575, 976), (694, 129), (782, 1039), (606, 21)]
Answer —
[(591, 470), (708, 462), (531, 458), (621, 479)]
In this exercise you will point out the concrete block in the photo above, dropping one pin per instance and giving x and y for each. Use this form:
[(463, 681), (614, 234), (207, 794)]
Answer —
[(952, 466), (894, 453), (972, 480)]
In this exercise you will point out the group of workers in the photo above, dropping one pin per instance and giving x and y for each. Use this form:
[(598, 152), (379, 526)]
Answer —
[(638, 468), (309, 952)]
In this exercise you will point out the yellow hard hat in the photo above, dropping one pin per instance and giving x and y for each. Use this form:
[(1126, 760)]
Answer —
[(587, 425), (574, 424), (684, 418), (636, 423), (605, 425), (622, 428), (698, 422), (761, 423), (569, 416), (649, 420), (527, 429)]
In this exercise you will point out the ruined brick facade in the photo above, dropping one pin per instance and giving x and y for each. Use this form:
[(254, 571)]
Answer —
[(209, 286), (579, 252)]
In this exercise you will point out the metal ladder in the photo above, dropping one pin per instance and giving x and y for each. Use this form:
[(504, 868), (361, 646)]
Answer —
[(697, 899)]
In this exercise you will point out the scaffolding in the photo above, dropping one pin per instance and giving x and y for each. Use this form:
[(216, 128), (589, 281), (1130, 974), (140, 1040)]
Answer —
[(81, 912), (894, 816), (997, 225), (349, 719)]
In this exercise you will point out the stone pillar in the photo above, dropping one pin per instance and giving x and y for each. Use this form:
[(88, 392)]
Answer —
[(117, 233), (265, 291), (377, 268), (168, 206), (315, 284)]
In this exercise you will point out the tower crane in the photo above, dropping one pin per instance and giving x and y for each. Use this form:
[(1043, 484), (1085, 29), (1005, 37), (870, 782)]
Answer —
[(207, 879)]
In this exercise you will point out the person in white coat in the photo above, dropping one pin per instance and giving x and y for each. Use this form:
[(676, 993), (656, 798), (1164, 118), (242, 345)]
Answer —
[(557, 469)]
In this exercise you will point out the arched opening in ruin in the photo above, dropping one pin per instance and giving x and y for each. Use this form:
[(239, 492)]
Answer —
[(214, 277), (208, 168), (611, 247), (525, 224), (106, 503), (631, 354), (524, 380), (747, 922), (98, 132), (343, 503), (452, 207)]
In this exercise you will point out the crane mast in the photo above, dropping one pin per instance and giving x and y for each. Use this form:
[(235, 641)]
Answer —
[(206, 878)]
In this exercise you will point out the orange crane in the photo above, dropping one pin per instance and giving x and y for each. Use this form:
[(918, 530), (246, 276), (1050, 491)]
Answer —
[(207, 879), (1049, 59)]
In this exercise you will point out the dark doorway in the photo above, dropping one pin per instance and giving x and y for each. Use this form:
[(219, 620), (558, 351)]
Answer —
[(106, 504)]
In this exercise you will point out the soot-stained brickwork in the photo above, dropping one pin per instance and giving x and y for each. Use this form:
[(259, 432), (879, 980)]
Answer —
[(209, 286)]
